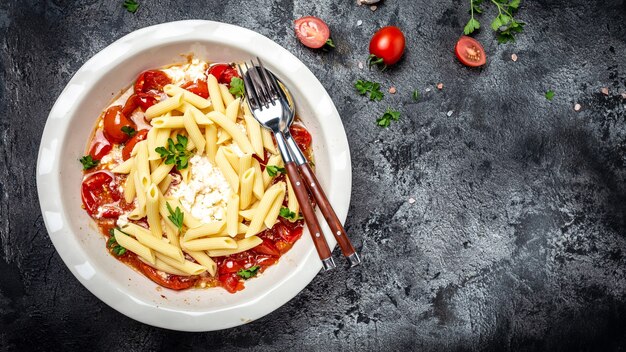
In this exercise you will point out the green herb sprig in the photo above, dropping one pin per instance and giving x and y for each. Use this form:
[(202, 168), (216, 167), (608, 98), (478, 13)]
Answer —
[(176, 153), (248, 273), (131, 5), (388, 116), (176, 216), (273, 170), (129, 131), (236, 87), (112, 244), (88, 162), (373, 88), (289, 215), (504, 24)]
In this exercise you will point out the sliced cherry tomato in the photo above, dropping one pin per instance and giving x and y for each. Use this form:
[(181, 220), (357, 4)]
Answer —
[(229, 266), (114, 121), (301, 136), (151, 80), (267, 247), (223, 72), (470, 52), (173, 282), (312, 31), (100, 189), (100, 145), (231, 282), (386, 46), (128, 147), (198, 87), (288, 231), (143, 100)]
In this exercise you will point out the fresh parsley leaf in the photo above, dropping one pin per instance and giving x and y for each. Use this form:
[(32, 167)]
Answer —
[(88, 162), (289, 215), (329, 43), (388, 116), (373, 88), (273, 170), (471, 26), (236, 87), (131, 5), (416, 95), (176, 216), (549, 94), (248, 273), (112, 244), (118, 250), (176, 153), (504, 24), (129, 131)]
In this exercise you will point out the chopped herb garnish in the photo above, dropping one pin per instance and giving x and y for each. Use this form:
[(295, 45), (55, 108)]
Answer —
[(176, 153), (416, 95), (289, 215), (373, 88), (248, 273), (549, 94), (176, 216), (88, 162), (329, 43), (236, 87), (504, 24), (273, 170), (113, 245), (129, 131), (388, 116), (131, 5)]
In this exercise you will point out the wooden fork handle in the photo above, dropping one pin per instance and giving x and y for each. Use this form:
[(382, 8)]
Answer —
[(329, 214), (309, 216)]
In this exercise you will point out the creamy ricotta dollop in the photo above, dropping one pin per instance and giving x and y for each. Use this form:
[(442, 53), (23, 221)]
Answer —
[(206, 193)]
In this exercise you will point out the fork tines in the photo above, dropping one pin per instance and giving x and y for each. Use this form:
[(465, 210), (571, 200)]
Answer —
[(261, 86)]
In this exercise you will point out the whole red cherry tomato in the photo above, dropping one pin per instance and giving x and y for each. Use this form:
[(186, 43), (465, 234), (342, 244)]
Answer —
[(386, 46), (470, 52), (173, 282), (114, 120), (100, 146), (128, 147), (198, 87), (143, 100), (223, 72), (301, 136), (99, 189), (151, 80), (312, 31)]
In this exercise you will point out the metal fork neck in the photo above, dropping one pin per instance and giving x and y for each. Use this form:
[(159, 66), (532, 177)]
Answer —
[(282, 147)]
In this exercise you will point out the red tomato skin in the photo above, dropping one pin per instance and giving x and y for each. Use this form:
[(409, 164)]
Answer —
[(198, 87), (267, 247), (128, 147), (217, 70), (231, 282), (311, 31), (223, 73), (151, 80), (143, 100), (100, 145), (301, 136), (388, 44), (173, 282), (114, 120), (466, 43), (97, 189), (228, 75)]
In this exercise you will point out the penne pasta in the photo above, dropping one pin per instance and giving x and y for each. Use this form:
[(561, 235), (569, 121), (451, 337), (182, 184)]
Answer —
[(274, 160), (215, 95), (152, 211), (165, 214), (226, 96), (161, 172), (231, 128), (166, 268), (268, 141), (241, 229), (164, 106), (232, 215), (186, 266), (292, 201), (129, 187), (210, 133), (275, 191), (245, 189), (167, 122), (254, 131), (194, 132), (247, 214), (259, 187), (204, 230), (124, 167), (272, 214), (205, 244), (172, 236), (232, 158), (227, 170), (151, 139), (203, 259), (193, 99), (145, 237), (188, 219), (165, 184), (242, 246), (232, 110), (134, 246)]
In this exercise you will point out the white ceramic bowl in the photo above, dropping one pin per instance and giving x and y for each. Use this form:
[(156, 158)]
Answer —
[(75, 235)]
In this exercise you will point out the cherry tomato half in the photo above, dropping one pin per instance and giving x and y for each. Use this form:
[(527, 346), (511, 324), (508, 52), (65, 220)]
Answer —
[(223, 72), (99, 189), (100, 145), (301, 136), (151, 80), (312, 31), (198, 87), (387, 46), (231, 282), (143, 100), (267, 247), (114, 121), (173, 282), (470, 52), (128, 147)]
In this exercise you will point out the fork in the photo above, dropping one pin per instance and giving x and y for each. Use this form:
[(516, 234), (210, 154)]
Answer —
[(264, 100)]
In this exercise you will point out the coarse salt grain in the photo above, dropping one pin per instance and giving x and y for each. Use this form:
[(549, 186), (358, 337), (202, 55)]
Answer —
[(514, 57), (577, 107), (605, 91), (360, 65), (392, 90), (428, 89), (411, 200), (623, 95), (359, 22), (450, 113)]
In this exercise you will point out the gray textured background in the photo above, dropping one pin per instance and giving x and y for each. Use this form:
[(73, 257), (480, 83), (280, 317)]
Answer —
[(515, 241)]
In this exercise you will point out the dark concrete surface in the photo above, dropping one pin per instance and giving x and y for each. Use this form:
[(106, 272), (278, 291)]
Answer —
[(515, 241)]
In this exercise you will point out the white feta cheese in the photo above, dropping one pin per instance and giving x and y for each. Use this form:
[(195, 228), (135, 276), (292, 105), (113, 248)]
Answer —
[(206, 193)]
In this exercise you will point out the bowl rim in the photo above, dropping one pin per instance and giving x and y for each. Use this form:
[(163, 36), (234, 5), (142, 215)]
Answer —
[(48, 175)]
